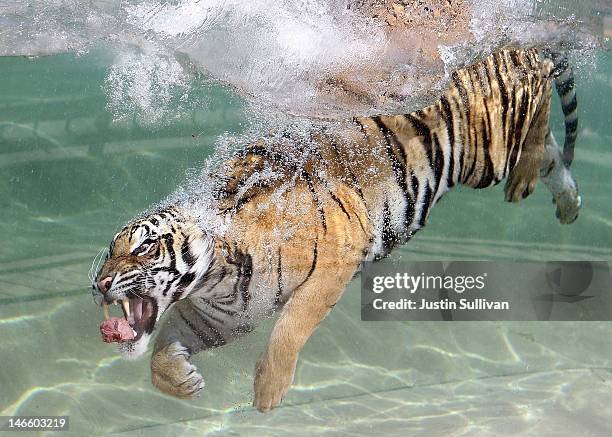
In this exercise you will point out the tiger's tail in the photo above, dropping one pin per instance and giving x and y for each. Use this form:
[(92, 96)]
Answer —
[(564, 83)]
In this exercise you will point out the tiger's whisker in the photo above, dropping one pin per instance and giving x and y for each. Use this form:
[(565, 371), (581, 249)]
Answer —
[(90, 274)]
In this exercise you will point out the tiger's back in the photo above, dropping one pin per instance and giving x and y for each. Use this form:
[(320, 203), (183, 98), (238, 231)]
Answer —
[(490, 124)]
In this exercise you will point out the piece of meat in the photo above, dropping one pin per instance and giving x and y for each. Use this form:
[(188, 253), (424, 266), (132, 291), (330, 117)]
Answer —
[(116, 329)]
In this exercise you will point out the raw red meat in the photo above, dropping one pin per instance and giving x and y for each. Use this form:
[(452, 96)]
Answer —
[(116, 329)]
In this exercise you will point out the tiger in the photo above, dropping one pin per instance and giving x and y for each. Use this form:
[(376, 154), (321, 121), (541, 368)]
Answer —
[(288, 223)]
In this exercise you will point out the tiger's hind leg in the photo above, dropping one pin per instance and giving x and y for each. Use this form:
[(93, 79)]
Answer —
[(188, 328), (559, 181), (523, 177)]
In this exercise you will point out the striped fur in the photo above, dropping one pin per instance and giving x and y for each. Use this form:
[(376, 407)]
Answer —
[(564, 82), (302, 218)]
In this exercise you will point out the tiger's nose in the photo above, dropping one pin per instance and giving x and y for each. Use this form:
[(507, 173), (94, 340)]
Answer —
[(105, 283)]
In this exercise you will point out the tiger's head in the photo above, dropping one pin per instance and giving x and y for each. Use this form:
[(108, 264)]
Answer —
[(152, 263)]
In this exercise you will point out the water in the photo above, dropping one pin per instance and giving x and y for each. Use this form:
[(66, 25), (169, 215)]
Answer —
[(75, 168)]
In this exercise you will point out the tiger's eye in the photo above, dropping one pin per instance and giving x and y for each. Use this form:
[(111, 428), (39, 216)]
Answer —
[(141, 249)]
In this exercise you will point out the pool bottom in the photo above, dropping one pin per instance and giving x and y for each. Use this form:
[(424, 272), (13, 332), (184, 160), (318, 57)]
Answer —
[(567, 402)]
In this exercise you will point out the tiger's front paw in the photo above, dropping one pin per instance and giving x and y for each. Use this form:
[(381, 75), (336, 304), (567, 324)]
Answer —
[(173, 374), (272, 380)]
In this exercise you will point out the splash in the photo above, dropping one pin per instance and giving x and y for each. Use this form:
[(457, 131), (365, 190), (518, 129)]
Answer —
[(318, 58), (152, 88)]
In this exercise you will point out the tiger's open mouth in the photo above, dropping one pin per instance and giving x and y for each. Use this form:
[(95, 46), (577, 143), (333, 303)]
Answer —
[(140, 313)]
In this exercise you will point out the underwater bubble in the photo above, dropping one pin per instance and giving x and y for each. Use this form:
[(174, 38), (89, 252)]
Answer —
[(147, 87)]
